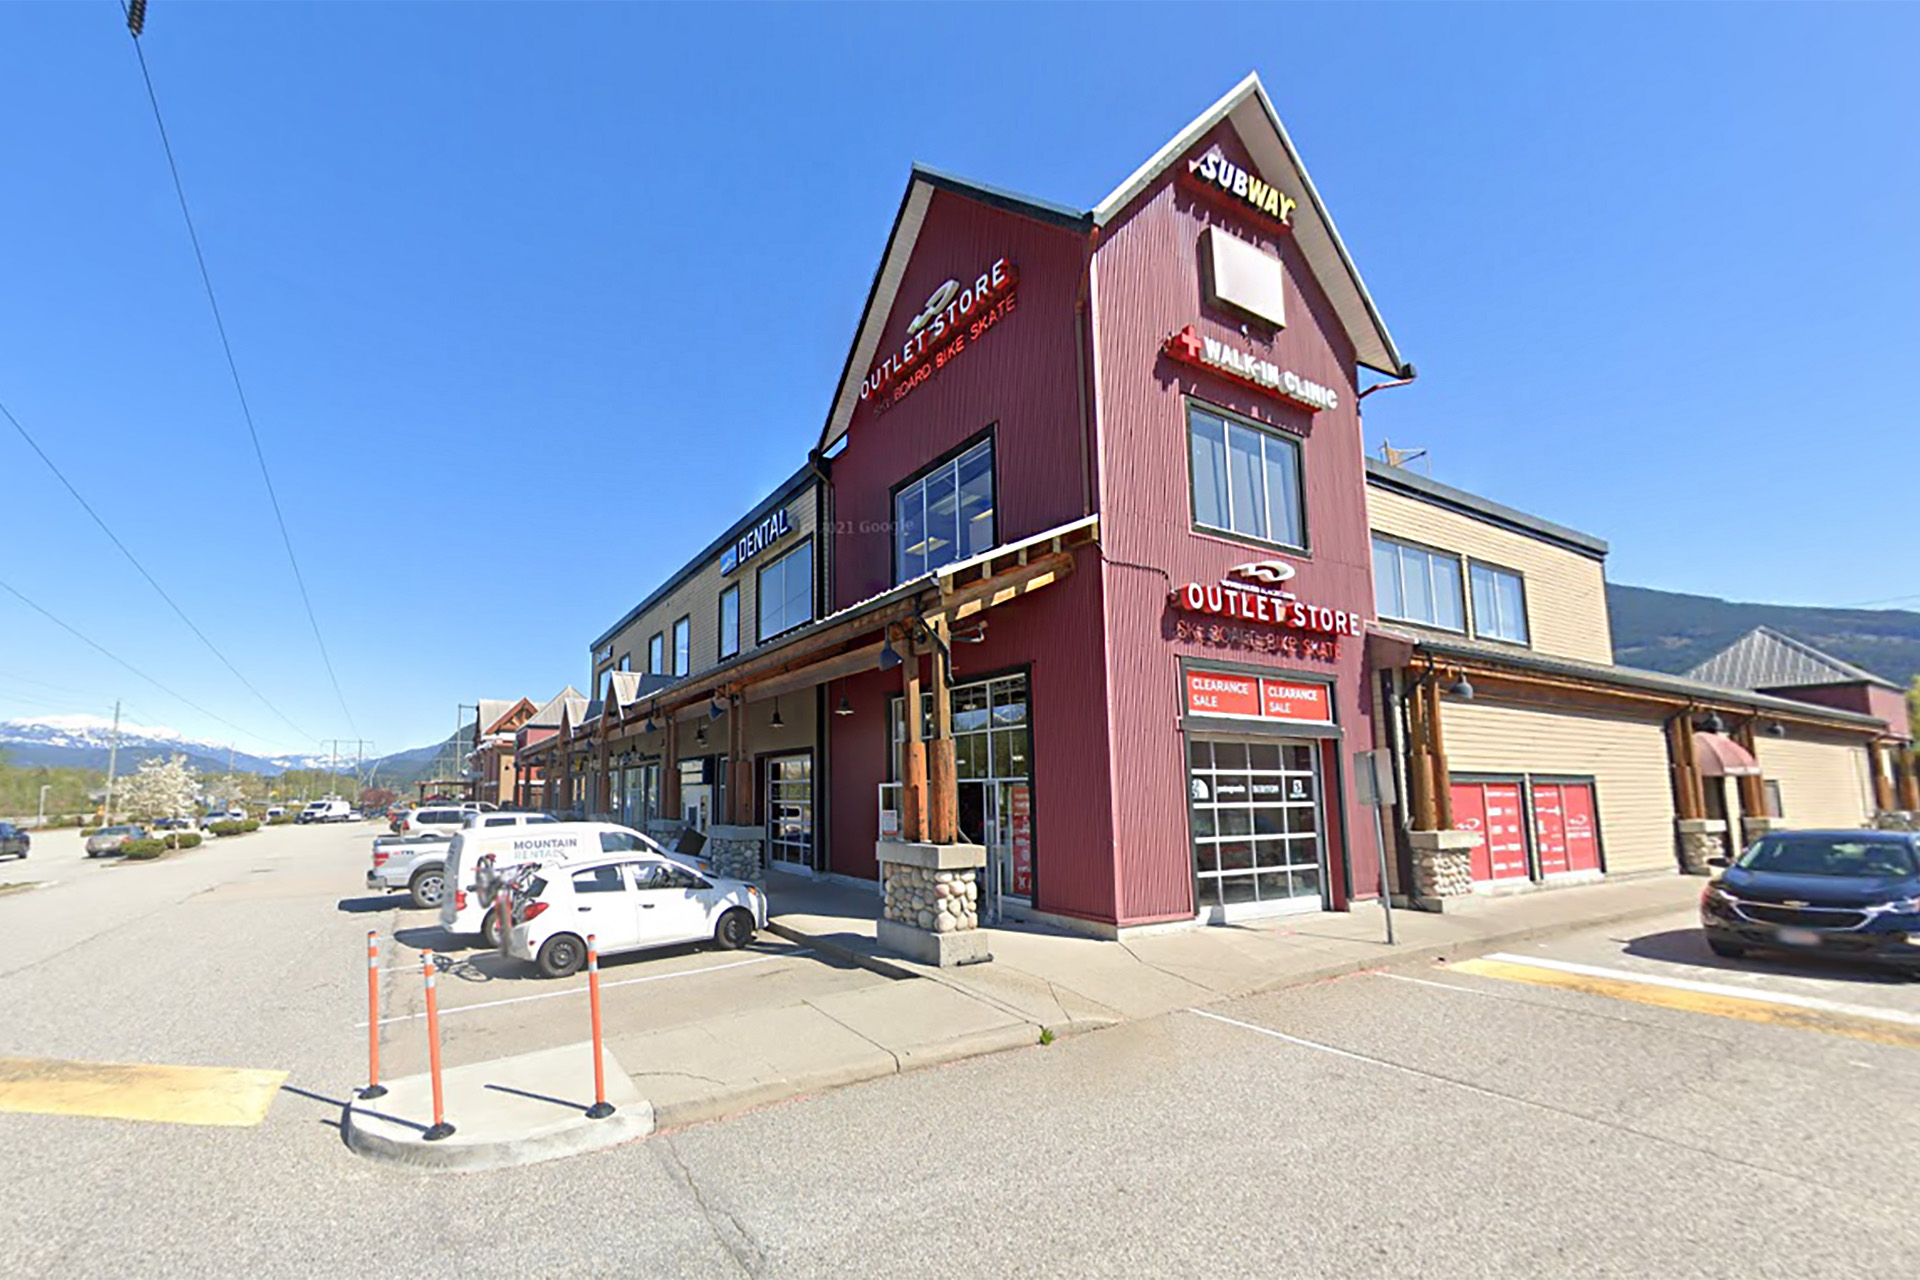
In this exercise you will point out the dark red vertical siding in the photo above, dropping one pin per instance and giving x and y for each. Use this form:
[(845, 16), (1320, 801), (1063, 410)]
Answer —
[(1147, 285), (1020, 378)]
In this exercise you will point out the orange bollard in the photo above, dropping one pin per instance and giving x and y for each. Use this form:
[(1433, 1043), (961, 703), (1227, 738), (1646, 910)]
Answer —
[(441, 1129), (601, 1108), (374, 1088)]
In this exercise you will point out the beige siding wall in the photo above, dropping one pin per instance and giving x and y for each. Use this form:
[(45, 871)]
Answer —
[(1823, 781), (1566, 591), (1625, 756), (698, 600)]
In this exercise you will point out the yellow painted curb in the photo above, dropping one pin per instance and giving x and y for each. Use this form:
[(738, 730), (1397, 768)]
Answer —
[(1756, 1009), (232, 1096)]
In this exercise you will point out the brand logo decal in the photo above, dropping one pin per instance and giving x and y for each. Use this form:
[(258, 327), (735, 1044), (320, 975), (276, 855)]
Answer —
[(1214, 171), (1269, 573)]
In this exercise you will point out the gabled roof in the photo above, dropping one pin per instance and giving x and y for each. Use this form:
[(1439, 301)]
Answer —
[(1768, 659), (548, 716), (1251, 113), (922, 183), (495, 710)]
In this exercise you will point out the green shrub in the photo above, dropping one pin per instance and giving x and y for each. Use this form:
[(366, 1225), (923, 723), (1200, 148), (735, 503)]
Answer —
[(227, 827), (87, 831), (251, 824), (183, 839), (142, 850), (281, 821)]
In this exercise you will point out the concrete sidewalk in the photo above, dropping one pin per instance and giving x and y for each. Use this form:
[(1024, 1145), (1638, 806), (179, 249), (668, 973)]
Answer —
[(1041, 981), (1068, 982)]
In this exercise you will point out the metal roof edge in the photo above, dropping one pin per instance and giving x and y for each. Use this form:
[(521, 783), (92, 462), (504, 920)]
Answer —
[(1472, 504), (781, 495), (1641, 678)]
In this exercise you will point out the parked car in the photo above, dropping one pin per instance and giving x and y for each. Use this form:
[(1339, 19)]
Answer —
[(631, 902), (109, 839), (324, 811), (173, 824), (276, 811), (448, 818), (481, 860), (14, 842), (1845, 894), (219, 815)]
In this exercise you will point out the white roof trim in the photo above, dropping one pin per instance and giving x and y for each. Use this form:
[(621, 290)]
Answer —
[(1247, 106)]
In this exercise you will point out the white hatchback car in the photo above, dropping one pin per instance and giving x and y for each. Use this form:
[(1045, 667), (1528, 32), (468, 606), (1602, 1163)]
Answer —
[(629, 903)]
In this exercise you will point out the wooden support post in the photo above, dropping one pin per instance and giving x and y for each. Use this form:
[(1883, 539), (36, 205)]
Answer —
[(740, 778), (1689, 799), (943, 789), (1881, 759), (1909, 778), (1753, 789), (913, 788), (1420, 759), (1442, 779), (670, 772)]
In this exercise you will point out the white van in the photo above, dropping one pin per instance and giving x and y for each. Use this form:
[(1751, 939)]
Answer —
[(325, 811), (480, 860)]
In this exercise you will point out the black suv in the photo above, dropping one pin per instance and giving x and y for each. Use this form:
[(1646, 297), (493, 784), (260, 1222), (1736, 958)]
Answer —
[(1841, 893), (13, 841)]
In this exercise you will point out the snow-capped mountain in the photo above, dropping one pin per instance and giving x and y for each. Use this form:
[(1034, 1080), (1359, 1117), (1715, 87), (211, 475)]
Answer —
[(82, 741)]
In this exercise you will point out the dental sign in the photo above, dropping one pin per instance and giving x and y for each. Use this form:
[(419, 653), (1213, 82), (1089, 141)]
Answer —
[(954, 317), (1256, 371), (1217, 175), (1252, 593), (755, 540)]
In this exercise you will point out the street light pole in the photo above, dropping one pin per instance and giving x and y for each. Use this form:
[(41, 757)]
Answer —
[(44, 788)]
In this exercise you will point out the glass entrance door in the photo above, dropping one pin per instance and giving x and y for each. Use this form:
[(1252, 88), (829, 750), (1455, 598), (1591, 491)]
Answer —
[(1255, 809), (789, 792)]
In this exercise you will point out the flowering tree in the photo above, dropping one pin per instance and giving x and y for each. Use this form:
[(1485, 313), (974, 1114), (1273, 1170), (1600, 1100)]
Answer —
[(161, 789)]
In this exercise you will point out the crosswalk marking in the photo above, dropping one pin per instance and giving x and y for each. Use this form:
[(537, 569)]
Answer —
[(1807, 1013), (229, 1096)]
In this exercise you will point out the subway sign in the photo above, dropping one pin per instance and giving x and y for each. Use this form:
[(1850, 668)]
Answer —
[(1216, 174), (755, 540)]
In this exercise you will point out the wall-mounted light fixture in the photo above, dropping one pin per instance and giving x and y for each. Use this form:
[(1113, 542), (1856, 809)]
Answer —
[(777, 722), (714, 708), (1713, 723), (889, 659), (1776, 730), (845, 708), (1461, 688)]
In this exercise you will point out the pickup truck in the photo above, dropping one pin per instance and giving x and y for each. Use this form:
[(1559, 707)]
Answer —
[(416, 864)]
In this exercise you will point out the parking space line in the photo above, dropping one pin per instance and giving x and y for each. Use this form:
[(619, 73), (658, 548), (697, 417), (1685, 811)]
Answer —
[(604, 986), (1805, 1013)]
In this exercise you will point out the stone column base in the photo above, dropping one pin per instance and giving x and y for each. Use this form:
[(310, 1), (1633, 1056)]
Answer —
[(930, 902), (1442, 865), (1755, 825), (1896, 820), (1700, 839), (735, 852)]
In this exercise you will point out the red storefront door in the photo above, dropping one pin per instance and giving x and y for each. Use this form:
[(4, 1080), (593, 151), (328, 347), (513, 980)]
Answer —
[(1564, 821), (1493, 810), (1549, 828)]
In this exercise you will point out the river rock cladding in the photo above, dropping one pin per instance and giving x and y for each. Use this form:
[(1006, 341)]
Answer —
[(937, 901)]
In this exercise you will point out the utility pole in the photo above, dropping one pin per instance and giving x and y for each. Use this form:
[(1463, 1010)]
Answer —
[(44, 788), (113, 759)]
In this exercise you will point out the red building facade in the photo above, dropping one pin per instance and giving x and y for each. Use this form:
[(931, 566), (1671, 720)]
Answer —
[(1163, 733)]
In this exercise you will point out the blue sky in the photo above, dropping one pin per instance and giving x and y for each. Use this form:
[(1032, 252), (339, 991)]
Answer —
[(532, 300)]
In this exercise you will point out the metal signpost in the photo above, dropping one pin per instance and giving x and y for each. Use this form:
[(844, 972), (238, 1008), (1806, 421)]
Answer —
[(1373, 776)]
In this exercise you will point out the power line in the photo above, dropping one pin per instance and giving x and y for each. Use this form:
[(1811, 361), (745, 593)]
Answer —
[(134, 27), (90, 642), (135, 562)]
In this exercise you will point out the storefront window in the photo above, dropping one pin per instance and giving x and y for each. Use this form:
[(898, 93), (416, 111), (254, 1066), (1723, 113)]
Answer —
[(1246, 480), (1254, 805), (993, 762), (1413, 584), (682, 646), (945, 515), (730, 621), (1499, 603), (786, 592), (790, 809)]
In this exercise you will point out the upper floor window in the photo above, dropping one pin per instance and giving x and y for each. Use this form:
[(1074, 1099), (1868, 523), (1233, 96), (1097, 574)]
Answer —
[(1499, 603), (730, 621), (786, 592), (944, 515), (682, 646), (1246, 479), (657, 654), (626, 662), (1414, 584)]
